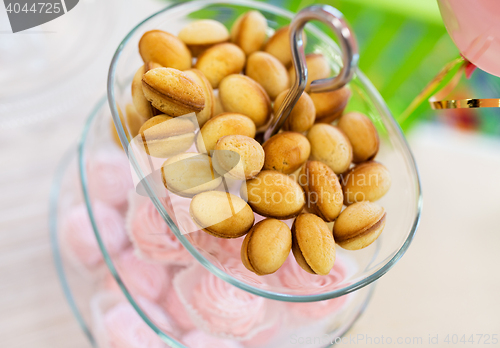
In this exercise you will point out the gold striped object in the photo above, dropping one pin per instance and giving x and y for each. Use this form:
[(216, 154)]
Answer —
[(441, 86), (438, 101), (465, 103)]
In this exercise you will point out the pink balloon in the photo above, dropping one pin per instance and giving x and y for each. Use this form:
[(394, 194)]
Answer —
[(474, 26)]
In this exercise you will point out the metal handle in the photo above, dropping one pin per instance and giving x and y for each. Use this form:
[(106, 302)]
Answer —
[(335, 20)]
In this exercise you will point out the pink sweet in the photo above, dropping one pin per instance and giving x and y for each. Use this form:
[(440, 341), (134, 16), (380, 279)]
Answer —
[(140, 277), (202, 241), (173, 305), (226, 309), (109, 284), (200, 339), (78, 234), (155, 312), (230, 248), (109, 177), (125, 329), (235, 268), (154, 238), (263, 337), (292, 276), (157, 315)]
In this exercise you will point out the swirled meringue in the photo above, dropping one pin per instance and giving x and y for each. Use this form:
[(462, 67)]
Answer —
[(78, 234), (109, 177), (125, 329), (226, 309), (173, 305), (200, 339), (154, 238), (294, 277), (142, 278)]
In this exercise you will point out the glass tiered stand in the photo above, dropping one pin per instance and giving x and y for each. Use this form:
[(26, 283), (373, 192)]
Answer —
[(180, 289)]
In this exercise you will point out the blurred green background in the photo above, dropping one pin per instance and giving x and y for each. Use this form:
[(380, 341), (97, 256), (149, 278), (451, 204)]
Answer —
[(403, 45)]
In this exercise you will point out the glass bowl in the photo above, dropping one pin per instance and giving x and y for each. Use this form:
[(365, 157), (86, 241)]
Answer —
[(402, 203), (93, 292), (62, 196)]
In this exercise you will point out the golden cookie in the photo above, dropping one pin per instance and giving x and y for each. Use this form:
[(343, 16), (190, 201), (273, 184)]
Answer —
[(330, 146), (279, 45), (114, 131), (317, 69), (188, 174), (221, 214), (241, 94), (268, 72), (274, 194), (367, 181), (220, 61), (134, 120), (330, 105), (295, 175), (286, 152), (165, 49), (312, 244), (218, 104), (359, 225), (164, 136), (201, 34), (141, 104), (266, 246), (362, 134), (224, 124), (323, 191), (173, 92), (208, 112), (131, 125), (249, 31), (239, 156), (302, 116)]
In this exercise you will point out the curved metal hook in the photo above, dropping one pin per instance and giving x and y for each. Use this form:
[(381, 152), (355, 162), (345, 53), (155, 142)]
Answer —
[(335, 20)]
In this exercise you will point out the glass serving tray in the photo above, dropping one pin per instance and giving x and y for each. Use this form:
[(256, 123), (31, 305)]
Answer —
[(83, 288), (402, 203)]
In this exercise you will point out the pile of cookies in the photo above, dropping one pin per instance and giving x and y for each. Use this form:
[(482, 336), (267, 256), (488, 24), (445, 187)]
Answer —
[(318, 170)]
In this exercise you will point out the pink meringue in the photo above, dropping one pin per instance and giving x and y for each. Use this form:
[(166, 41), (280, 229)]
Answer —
[(200, 339), (109, 177), (226, 309), (125, 329), (153, 237), (157, 315), (292, 276), (230, 248), (262, 338), (235, 268), (142, 278), (167, 204), (173, 305), (110, 285), (78, 234), (203, 241)]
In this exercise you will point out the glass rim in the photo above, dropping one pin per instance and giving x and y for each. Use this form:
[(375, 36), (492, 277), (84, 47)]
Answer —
[(54, 218), (191, 249)]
